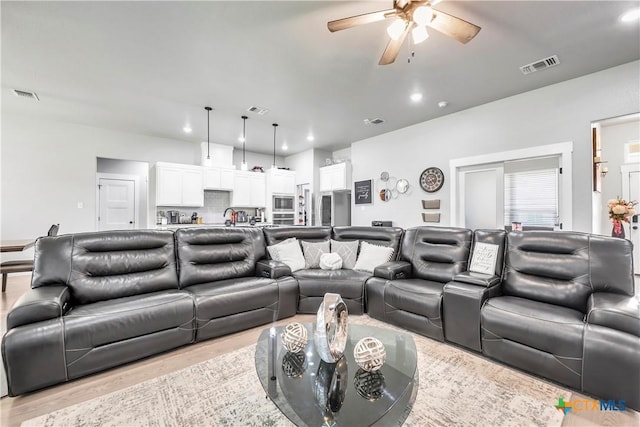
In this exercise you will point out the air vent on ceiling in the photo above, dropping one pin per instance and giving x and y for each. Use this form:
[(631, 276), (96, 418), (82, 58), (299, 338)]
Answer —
[(549, 62), (258, 110), (375, 121), (25, 94)]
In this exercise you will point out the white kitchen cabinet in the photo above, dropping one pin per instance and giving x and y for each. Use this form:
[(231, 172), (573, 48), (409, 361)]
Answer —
[(335, 177), (281, 182), (179, 185), (249, 190), (218, 178)]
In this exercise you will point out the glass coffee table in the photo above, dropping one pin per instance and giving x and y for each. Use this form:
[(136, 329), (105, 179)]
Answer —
[(311, 392)]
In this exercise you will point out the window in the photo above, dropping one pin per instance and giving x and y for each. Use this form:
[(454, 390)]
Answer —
[(531, 197), (632, 152)]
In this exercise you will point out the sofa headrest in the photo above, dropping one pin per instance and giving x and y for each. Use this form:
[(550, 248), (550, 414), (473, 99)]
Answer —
[(311, 234)]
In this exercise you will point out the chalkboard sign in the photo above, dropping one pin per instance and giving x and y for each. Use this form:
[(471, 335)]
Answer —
[(363, 192)]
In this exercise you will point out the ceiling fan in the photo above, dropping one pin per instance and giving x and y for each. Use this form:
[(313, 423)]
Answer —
[(414, 17)]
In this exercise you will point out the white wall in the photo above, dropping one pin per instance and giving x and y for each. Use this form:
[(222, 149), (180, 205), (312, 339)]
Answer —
[(613, 140), (255, 159), (49, 167), (557, 113)]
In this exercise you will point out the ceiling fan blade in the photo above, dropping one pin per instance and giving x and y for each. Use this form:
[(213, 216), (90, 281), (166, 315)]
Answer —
[(452, 26), (367, 18), (393, 48)]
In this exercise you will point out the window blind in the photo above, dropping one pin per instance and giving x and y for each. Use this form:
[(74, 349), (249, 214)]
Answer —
[(531, 197)]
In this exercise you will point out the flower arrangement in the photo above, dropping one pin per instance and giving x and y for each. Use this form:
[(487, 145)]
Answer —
[(621, 210)]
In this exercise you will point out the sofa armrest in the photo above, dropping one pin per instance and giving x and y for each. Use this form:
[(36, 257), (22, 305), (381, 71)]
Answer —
[(479, 279), (36, 305), (393, 270), (272, 269), (615, 311)]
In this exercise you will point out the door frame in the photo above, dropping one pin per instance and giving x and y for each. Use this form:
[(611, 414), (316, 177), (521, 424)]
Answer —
[(564, 151), (136, 194)]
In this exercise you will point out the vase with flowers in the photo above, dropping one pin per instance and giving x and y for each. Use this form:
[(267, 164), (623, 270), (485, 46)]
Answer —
[(620, 211)]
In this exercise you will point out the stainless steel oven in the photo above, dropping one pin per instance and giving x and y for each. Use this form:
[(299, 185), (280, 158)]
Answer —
[(283, 204), (283, 218)]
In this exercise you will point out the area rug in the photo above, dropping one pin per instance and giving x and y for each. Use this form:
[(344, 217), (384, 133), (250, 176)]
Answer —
[(456, 388)]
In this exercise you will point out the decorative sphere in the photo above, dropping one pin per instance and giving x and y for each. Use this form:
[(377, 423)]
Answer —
[(369, 354), (294, 364), (369, 385), (294, 337)]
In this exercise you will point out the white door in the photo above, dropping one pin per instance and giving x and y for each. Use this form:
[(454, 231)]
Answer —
[(482, 197), (117, 204), (631, 191)]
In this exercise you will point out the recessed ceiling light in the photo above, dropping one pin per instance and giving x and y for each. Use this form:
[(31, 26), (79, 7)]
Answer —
[(442, 104), (187, 129), (416, 97), (631, 15), (240, 139), (310, 138), (285, 147)]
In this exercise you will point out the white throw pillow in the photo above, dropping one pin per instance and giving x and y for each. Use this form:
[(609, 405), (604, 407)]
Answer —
[(372, 256), (330, 261), (348, 251), (288, 252), (312, 252)]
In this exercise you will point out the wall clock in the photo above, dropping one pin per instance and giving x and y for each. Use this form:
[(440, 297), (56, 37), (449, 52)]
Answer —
[(431, 179)]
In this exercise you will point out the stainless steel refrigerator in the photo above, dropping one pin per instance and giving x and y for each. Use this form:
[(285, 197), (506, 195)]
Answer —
[(334, 209)]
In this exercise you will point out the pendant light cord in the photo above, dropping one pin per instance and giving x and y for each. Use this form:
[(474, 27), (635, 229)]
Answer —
[(208, 143), (244, 136), (275, 125)]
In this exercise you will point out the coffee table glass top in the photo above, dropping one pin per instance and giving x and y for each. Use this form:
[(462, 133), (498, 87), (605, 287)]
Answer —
[(312, 392)]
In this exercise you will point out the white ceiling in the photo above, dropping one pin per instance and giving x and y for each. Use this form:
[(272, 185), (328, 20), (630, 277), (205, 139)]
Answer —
[(151, 67)]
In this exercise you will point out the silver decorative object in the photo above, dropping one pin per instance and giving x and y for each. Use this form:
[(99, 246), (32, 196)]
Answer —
[(369, 354), (331, 388), (295, 337), (330, 335)]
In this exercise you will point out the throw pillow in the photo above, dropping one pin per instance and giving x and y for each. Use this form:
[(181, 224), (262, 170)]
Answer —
[(288, 252), (312, 252), (330, 261), (348, 251), (372, 256)]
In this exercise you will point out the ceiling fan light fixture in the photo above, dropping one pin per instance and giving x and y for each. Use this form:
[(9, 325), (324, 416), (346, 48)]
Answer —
[(422, 15), (396, 29), (419, 34)]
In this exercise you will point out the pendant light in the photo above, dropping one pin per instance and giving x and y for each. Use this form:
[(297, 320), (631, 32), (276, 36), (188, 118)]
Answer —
[(275, 126), (208, 143), (243, 165)]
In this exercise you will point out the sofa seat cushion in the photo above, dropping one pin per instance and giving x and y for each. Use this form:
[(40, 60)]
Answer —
[(93, 325), (546, 327), (347, 283), (417, 296), (232, 296)]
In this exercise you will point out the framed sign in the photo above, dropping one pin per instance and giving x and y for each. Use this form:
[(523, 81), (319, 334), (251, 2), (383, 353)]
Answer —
[(362, 190), (484, 258)]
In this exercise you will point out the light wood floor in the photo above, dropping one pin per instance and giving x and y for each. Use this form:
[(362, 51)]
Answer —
[(15, 410)]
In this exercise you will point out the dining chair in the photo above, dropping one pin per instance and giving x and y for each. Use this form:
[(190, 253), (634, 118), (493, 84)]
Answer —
[(22, 265)]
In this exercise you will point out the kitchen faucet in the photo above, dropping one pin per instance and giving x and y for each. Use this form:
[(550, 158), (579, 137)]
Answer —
[(233, 215)]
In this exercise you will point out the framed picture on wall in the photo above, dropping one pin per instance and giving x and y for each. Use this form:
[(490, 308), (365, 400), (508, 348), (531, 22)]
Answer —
[(362, 192)]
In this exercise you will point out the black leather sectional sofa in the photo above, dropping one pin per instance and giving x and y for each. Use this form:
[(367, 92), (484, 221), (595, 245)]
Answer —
[(560, 305)]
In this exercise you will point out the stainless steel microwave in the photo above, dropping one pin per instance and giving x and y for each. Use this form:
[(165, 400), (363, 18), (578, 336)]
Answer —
[(283, 204)]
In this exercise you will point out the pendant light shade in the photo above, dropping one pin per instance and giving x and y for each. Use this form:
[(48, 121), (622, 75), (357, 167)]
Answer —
[(243, 165), (275, 126), (208, 109)]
